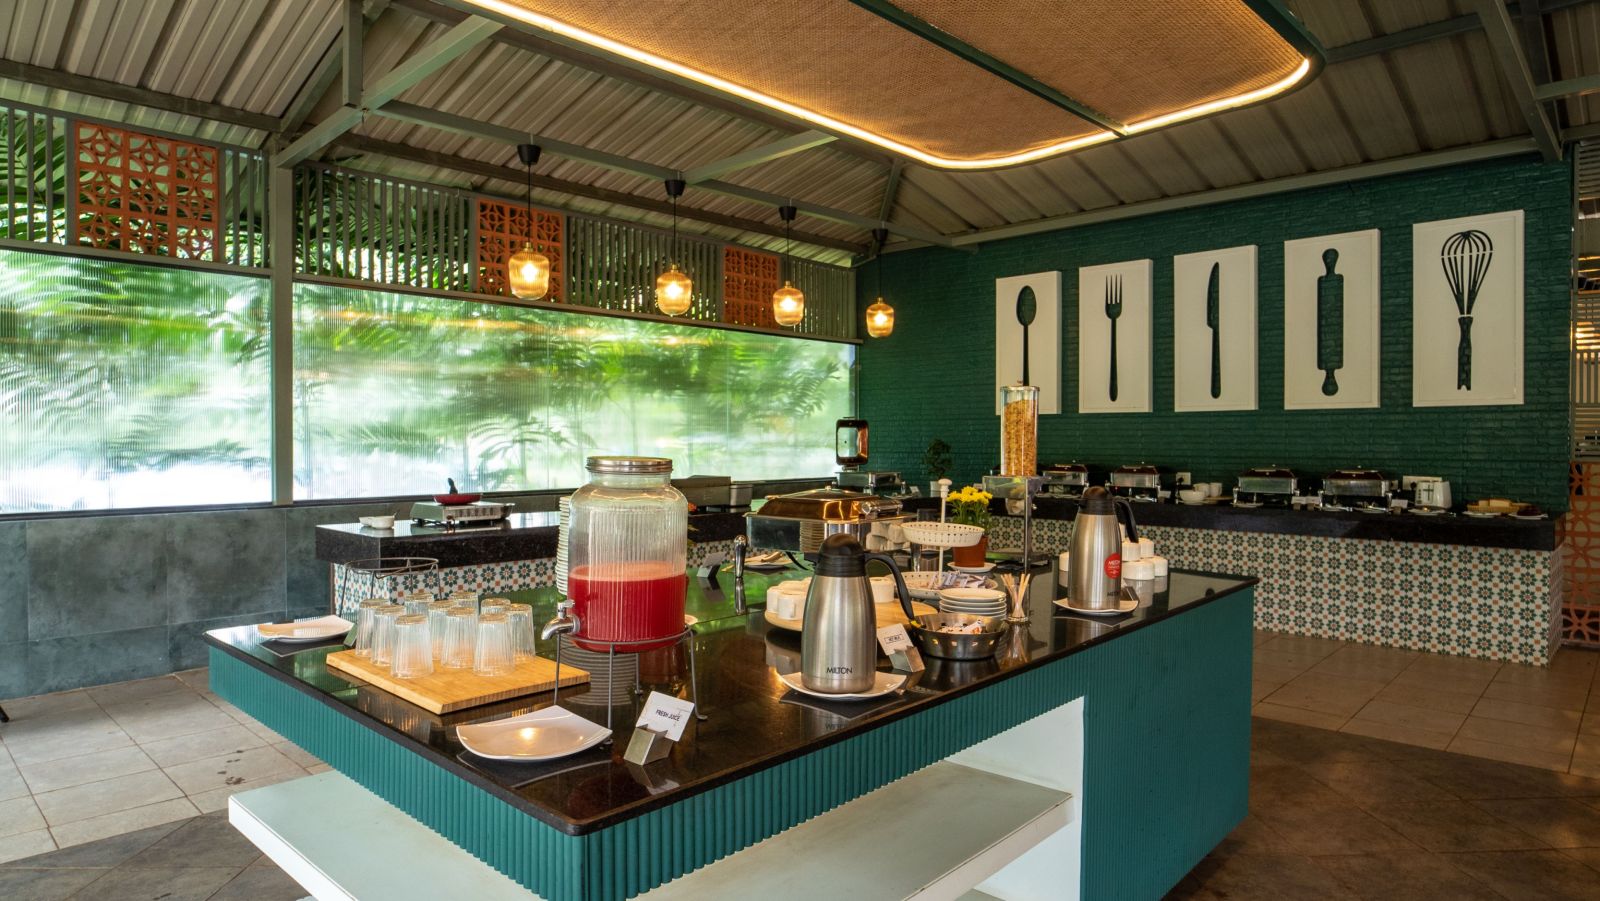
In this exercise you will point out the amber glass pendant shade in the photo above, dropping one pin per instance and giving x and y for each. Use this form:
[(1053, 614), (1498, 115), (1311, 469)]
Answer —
[(528, 272), (788, 305), (674, 291), (880, 319)]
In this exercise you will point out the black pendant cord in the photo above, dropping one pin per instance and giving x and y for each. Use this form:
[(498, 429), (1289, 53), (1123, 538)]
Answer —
[(529, 155)]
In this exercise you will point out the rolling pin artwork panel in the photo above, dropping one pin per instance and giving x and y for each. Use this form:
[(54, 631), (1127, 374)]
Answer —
[(1331, 326)]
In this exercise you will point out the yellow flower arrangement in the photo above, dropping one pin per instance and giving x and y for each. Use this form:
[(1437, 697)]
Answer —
[(970, 505)]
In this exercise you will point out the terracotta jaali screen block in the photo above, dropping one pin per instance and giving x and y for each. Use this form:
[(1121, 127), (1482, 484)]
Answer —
[(145, 194), (748, 280), (1580, 536), (502, 230)]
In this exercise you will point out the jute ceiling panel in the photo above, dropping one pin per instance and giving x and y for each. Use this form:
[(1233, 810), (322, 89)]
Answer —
[(1131, 61), (839, 60), (836, 64)]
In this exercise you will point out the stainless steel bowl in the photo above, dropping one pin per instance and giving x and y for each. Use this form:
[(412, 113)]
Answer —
[(957, 646)]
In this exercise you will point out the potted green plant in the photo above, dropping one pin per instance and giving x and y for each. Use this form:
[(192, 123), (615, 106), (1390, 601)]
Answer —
[(970, 506), (938, 462)]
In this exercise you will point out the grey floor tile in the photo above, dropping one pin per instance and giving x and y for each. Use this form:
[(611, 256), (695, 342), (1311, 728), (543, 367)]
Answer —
[(232, 768), (104, 853), (1405, 877), (82, 802), (109, 696), (1453, 826), (200, 745), (1264, 876), (1342, 829), (1364, 783), (66, 772), (170, 716), (1558, 822), (1532, 875), (44, 885), (129, 883), (260, 883), (206, 841), (25, 844)]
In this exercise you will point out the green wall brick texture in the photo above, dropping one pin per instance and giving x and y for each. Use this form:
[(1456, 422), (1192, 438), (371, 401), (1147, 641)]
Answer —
[(934, 376)]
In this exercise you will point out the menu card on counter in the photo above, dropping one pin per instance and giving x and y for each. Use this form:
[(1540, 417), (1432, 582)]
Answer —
[(666, 715)]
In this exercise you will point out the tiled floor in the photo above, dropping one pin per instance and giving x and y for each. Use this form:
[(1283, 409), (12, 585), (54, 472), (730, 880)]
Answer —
[(188, 860), (1546, 717), (1335, 815), (83, 765)]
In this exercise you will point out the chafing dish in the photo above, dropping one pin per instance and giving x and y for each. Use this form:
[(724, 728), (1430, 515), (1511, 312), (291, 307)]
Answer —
[(800, 521), (704, 491), (1141, 480), (870, 482), (1272, 486), (1066, 479), (1356, 488)]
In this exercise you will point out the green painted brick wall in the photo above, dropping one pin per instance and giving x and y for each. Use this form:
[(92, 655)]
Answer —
[(934, 376)]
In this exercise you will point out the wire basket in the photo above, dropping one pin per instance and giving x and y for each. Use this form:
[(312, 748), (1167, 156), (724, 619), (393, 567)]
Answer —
[(942, 534)]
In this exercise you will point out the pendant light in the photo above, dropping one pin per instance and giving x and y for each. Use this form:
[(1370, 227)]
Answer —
[(788, 304), (528, 270), (674, 290), (880, 316)]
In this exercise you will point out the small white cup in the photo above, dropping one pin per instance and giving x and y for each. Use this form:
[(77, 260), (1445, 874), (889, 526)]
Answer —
[(786, 604)]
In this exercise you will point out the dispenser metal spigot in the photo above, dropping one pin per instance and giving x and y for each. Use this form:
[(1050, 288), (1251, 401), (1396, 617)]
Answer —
[(565, 622), (741, 548)]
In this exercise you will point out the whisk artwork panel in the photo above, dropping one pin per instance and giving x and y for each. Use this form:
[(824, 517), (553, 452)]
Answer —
[(1331, 336), (1115, 337), (1466, 311)]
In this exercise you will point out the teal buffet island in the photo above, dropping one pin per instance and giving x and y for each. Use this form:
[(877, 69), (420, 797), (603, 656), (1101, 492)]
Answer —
[(1119, 745)]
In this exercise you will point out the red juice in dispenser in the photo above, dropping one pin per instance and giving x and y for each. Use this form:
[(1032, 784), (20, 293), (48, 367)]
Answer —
[(627, 602)]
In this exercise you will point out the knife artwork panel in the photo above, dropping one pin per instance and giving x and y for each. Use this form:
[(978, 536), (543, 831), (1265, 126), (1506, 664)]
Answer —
[(1214, 330)]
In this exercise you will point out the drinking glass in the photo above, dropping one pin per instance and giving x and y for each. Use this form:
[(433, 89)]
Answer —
[(494, 605), (364, 624), (383, 633), (460, 637), (413, 648), (418, 601), (438, 611), (521, 619), (493, 655)]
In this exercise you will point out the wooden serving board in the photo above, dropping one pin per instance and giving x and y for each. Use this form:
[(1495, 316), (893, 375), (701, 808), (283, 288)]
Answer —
[(447, 690)]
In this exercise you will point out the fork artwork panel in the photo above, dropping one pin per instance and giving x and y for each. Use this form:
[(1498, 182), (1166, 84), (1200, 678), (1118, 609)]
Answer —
[(1214, 330), (1330, 322), (1466, 311), (1030, 352), (1114, 337)]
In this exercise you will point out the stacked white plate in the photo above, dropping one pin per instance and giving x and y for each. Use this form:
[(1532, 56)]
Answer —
[(564, 508), (975, 601)]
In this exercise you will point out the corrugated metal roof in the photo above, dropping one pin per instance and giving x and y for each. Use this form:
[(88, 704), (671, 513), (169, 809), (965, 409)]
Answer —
[(258, 56)]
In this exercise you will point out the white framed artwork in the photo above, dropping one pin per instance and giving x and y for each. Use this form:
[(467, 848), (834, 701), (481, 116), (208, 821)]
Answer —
[(1466, 311), (1114, 337), (1331, 329), (1031, 352), (1214, 330)]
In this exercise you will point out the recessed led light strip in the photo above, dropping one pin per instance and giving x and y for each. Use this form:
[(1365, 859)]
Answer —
[(555, 26)]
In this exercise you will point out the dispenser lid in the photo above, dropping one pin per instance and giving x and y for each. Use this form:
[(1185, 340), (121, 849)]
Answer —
[(629, 465), (1097, 501), (841, 554)]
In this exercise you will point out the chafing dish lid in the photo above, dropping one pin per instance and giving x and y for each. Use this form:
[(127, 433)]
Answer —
[(1137, 469), (1356, 474), (829, 505), (1268, 472), (1067, 467)]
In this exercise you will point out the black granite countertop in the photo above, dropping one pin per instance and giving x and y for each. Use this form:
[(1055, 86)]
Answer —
[(1459, 529), (522, 536), (755, 721)]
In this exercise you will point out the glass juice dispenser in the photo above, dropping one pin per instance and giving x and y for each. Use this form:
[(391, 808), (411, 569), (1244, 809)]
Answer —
[(626, 556)]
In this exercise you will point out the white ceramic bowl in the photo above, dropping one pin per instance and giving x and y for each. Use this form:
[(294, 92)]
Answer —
[(1192, 495), (378, 522)]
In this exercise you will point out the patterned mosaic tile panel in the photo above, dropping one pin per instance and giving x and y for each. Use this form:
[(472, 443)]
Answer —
[(1495, 603), (351, 587)]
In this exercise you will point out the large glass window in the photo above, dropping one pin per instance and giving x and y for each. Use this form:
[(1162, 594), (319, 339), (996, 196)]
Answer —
[(396, 392), (130, 385)]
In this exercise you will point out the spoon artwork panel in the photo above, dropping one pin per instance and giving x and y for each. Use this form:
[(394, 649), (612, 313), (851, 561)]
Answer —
[(1027, 336)]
